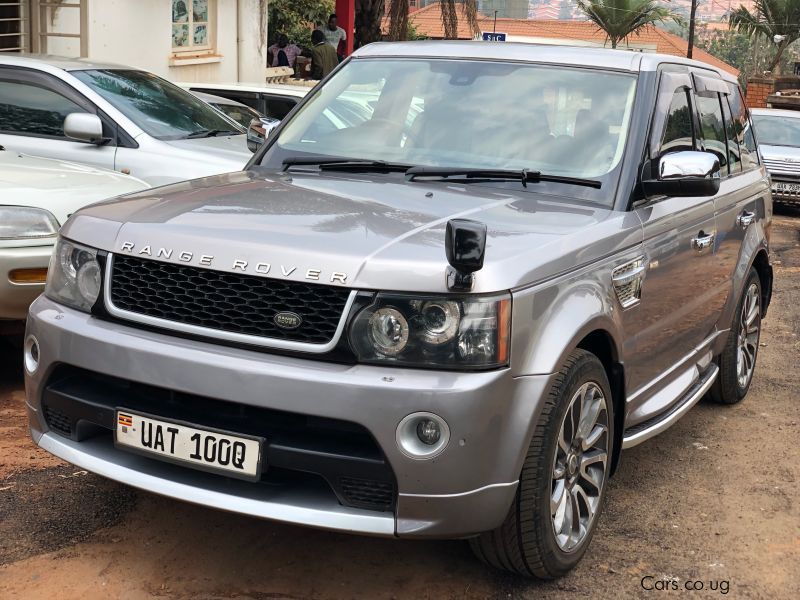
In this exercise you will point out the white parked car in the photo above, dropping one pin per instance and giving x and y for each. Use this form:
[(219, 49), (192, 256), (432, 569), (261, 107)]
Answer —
[(37, 196), (114, 117)]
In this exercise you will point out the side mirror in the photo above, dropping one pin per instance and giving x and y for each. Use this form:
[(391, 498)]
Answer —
[(465, 247), (259, 130), (85, 127), (685, 173)]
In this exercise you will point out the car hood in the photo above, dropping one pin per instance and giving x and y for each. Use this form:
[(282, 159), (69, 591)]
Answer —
[(366, 232), (58, 186), (229, 148)]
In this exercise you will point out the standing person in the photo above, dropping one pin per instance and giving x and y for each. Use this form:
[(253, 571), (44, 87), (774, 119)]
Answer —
[(335, 35), (282, 53), (323, 56)]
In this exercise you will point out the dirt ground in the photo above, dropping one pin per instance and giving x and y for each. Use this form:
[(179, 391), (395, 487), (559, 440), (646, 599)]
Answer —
[(711, 505)]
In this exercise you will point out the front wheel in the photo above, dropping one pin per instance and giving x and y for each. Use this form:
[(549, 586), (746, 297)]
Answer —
[(563, 481), (737, 362)]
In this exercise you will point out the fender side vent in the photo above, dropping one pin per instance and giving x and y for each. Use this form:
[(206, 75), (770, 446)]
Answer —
[(627, 279)]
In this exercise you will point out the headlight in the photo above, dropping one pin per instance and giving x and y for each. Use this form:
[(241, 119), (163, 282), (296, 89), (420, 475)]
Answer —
[(74, 276), (470, 332), (23, 222)]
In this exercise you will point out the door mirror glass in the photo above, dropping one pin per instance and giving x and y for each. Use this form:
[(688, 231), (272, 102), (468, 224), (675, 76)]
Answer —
[(685, 173), (259, 131), (85, 127)]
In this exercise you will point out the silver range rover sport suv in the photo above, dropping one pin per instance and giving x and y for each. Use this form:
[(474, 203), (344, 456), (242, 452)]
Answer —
[(446, 319)]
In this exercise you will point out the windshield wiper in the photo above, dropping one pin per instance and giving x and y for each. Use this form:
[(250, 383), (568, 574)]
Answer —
[(524, 176), (344, 164), (205, 133)]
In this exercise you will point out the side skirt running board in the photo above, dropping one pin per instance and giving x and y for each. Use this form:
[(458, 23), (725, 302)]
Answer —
[(644, 431)]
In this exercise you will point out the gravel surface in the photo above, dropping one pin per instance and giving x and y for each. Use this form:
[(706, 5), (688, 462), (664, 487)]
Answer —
[(711, 503)]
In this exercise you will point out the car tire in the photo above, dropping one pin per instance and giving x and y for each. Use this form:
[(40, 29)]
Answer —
[(741, 347), (527, 542)]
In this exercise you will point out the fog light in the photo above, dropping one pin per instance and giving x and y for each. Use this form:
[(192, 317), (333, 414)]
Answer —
[(31, 354), (422, 435), (428, 431)]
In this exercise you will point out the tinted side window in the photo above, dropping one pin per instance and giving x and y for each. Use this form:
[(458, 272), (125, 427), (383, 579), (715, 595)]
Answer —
[(33, 110), (678, 132), (278, 107), (712, 127), (743, 129), (734, 160)]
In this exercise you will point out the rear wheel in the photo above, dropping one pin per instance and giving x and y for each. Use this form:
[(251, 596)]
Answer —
[(738, 360), (562, 486)]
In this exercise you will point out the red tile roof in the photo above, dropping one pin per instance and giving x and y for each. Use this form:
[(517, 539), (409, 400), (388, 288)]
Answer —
[(428, 21)]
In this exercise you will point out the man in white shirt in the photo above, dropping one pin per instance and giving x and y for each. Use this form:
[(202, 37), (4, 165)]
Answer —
[(334, 34)]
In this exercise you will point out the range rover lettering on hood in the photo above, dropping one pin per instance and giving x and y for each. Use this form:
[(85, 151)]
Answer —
[(207, 260)]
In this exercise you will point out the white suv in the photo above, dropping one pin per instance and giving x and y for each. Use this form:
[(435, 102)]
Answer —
[(114, 117)]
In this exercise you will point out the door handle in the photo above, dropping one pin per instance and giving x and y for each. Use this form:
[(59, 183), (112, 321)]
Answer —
[(745, 218), (703, 241)]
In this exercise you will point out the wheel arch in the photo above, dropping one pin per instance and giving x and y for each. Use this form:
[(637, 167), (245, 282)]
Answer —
[(601, 343), (764, 269)]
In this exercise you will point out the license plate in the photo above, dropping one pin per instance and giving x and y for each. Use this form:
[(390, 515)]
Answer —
[(220, 452), (791, 188)]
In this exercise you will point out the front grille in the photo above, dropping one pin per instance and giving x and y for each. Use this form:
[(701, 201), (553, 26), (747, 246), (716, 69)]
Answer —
[(365, 493), (781, 166), (228, 302)]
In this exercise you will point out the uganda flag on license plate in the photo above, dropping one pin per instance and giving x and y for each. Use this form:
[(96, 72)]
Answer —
[(125, 420)]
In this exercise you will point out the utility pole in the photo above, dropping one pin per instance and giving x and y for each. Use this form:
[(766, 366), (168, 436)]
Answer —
[(691, 29)]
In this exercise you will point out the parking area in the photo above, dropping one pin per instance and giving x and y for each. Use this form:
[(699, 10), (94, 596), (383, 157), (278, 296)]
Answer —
[(709, 508)]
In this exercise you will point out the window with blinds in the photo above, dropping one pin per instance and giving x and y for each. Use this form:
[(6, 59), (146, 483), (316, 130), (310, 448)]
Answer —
[(14, 26)]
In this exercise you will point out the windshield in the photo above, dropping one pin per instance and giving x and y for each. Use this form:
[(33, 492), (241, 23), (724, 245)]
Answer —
[(777, 131), (160, 108), (471, 114)]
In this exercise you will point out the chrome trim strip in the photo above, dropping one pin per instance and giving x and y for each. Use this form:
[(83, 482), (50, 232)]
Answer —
[(239, 338), (640, 436), (160, 478), (491, 486)]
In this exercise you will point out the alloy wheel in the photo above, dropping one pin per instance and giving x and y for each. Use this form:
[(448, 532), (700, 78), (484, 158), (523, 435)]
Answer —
[(749, 331), (579, 466)]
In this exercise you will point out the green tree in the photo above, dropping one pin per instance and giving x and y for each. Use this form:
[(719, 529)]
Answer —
[(621, 18), (296, 18), (770, 18)]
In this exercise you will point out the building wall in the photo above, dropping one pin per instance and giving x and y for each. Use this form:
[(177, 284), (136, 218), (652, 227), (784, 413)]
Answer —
[(758, 89), (512, 9), (139, 33)]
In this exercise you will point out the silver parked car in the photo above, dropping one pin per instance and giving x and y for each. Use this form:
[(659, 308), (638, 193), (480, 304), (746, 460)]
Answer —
[(443, 326), (113, 117), (778, 134)]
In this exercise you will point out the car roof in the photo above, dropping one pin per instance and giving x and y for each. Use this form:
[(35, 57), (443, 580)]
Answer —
[(622, 60), (57, 62), (775, 112), (279, 89), (216, 99)]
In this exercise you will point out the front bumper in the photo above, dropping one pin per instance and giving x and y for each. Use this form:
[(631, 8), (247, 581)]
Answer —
[(15, 298), (465, 490), (783, 196)]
